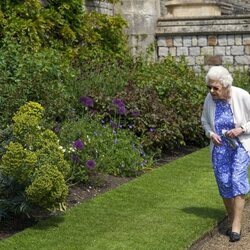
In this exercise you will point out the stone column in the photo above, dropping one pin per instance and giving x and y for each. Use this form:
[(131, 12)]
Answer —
[(142, 16)]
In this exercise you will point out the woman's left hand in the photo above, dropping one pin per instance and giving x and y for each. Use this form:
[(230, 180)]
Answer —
[(234, 132)]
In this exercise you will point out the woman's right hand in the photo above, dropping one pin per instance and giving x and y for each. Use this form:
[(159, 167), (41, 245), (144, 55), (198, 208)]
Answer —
[(216, 139)]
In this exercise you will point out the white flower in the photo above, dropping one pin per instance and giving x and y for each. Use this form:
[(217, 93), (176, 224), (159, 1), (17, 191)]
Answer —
[(88, 138), (71, 149), (61, 148)]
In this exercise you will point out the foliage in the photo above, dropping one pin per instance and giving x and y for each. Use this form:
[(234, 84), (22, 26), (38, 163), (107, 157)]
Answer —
[(149, 118), (40, 76), (6, 136), (41, 47), (100, 73), (163, 101), (59, 24), (93, 147), (34, 158), (242, 79), (181, 91), (12, 198), (48, 187)]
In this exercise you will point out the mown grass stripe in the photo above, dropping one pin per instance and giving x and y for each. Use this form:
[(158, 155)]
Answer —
[(168, 208)]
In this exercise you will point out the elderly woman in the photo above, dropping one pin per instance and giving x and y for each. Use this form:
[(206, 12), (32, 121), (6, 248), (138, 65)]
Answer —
[(226, 121)]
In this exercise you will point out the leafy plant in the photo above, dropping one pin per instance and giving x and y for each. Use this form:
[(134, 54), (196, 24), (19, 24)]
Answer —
[(41, 76), (35, 160), (59, 24), (181, 91), (242, 79), (12, 198), (95, 147)]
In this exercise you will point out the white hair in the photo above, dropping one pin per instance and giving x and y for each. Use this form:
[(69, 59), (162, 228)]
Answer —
[(220, 74)]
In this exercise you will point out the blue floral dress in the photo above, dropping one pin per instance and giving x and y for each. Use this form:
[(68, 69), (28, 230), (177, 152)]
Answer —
[(230, 162)]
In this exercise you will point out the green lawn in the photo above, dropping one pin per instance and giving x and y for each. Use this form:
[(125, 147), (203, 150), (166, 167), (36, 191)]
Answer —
[(168, 208)]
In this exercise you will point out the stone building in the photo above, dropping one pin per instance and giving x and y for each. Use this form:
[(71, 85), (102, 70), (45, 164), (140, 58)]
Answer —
[(205, 32)]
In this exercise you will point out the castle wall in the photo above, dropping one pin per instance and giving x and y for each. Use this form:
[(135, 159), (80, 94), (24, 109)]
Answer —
[(206, 41), (142, 16), (101, 7)]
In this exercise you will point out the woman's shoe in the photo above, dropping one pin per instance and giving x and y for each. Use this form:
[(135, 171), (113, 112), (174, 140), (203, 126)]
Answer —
[(234, 236), (229, 231)]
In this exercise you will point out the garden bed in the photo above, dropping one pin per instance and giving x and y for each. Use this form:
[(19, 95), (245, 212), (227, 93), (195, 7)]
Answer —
[(79, 193)]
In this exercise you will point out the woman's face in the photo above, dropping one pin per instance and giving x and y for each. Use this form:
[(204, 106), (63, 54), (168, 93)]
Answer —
[(217, 90)]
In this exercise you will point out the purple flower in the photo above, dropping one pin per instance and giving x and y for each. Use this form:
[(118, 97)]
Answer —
[(152, 129), (90, 164), (75, 159), (122, 110), (78, 144), (87, 101), (118, 102)]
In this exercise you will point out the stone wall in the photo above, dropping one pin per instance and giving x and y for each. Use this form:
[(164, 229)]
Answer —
[(101, 7), (228, 7), (142, 16), (236, 7), (207, 41), (204, 41)]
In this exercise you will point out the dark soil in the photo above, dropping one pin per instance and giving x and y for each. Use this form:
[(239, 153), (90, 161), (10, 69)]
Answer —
[(79, 193)]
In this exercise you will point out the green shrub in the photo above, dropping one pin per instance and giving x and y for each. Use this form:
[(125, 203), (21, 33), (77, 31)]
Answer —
[(149, 118), (167, 97), (48, 187), (92, 146), (18, 163), (41, 77), (38, 44), (100, 73), (34, 157), (13, 200), (60, 24), (181, 91), (242, 79)]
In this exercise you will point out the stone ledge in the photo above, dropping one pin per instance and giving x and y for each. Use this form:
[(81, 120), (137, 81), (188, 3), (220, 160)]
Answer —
[(205, 18), (203, 26)]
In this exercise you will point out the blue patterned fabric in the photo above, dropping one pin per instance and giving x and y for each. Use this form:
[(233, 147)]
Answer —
[(230, 163)]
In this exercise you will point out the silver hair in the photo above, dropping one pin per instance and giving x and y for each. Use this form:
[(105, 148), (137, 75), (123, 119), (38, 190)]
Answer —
[(220, 74)]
